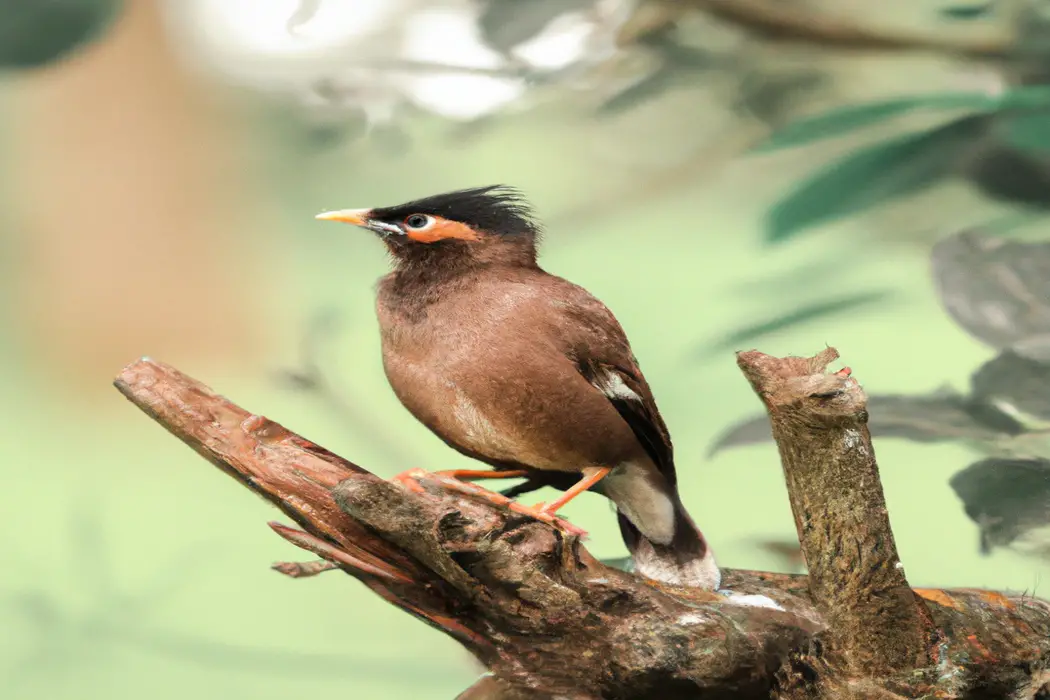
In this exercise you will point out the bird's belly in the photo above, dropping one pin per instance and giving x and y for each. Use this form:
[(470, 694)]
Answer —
[(481, 434), (434, 396), (501, 400)]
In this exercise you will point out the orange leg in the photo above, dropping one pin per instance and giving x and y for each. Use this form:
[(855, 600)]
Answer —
[(408, 478), (472, 474), (579, 487), (451, 479)]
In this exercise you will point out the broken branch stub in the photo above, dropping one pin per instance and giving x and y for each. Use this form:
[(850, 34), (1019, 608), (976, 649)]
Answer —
[(819, 422)]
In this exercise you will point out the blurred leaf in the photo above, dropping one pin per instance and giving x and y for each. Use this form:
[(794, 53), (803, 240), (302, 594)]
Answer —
[(1017, 384), (803, 314), (837, 122), (967, 11), (1024, 97), (505, 24), (774, 97), (649, 18), (751, 431), (937, 417), (997, 290), (35, 33), (873, 175), (1011, 175), (644, 90), (1005, 497), (304, 12), (796, 278), (789, 552), (678, 66), (841, 121), (1029, 132)]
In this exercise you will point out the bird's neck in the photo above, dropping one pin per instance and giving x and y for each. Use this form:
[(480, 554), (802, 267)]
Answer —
[(427, 273), (445, 261)]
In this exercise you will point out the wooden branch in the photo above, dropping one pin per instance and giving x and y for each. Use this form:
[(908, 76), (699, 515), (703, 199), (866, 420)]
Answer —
[(549, 620), (820, 424), (785, 21)]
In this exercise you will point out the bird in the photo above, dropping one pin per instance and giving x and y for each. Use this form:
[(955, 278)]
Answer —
[(525, 371)]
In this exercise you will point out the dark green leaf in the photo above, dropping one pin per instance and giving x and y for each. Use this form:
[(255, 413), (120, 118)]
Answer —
[(967, 11), (1017, 383), (1029, 132), (1012, 175), (838, 122), (937, 417), (874, 175), (1005, 497), (997, 290), (804, 314), (506, 23), (35, 33), (1024, 97), (679, 65), (647, 88)]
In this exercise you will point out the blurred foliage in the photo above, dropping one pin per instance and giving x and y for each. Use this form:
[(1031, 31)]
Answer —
[(999, 291), (972, 11), (906, 165), (942, 415), (505, 24), (995, 289), (1007, 498), (806, 313), (36, 33)]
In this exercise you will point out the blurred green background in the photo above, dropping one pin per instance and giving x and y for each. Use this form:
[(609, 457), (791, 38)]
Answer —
[(161, 164)]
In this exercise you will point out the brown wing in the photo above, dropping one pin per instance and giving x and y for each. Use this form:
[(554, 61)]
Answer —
[(598, 345)]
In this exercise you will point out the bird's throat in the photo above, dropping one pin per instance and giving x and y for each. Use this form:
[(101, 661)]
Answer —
[(430, 263)]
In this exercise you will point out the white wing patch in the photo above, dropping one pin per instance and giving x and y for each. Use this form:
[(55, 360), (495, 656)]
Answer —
[(612, 385)]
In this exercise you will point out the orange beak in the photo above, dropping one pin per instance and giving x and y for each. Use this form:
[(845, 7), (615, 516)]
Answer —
[(357, 217)]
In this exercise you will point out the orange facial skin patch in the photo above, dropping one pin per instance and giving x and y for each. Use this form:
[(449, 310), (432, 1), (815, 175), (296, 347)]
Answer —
[(442, 230)]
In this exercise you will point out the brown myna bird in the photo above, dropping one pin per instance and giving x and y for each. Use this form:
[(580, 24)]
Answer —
[(525, 371)]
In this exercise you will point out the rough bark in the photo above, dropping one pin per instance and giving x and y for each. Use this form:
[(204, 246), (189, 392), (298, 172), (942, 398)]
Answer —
[(550, 621), (820, 424)]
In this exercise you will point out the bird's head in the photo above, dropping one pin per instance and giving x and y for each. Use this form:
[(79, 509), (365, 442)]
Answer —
[(479, 223)]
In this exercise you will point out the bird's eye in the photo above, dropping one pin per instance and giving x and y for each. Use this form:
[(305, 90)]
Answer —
[(418, 221)]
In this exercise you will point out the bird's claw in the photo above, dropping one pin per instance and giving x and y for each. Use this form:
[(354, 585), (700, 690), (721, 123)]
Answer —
[(410, 479), (540, 512)]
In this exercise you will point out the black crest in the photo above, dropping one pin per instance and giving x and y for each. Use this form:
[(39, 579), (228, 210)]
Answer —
[(495, 209)]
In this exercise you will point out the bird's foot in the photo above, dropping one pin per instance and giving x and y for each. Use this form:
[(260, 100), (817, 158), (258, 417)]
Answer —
[(542, 512), (410, 479)]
